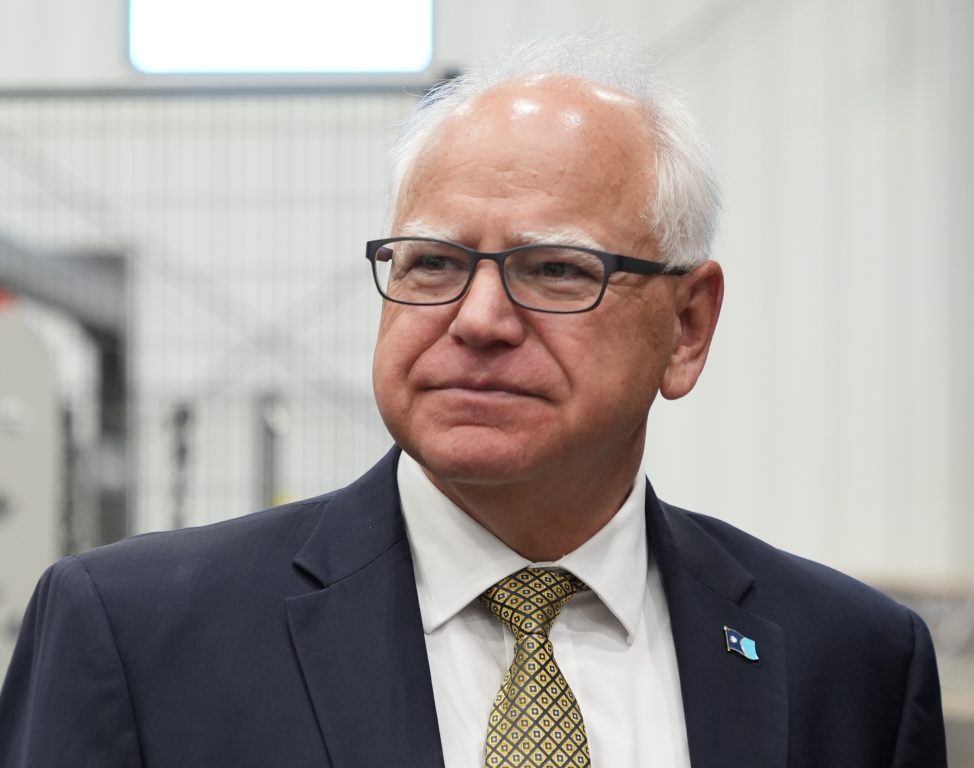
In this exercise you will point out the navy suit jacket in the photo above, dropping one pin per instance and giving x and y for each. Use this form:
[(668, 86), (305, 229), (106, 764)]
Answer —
[(292, 638)]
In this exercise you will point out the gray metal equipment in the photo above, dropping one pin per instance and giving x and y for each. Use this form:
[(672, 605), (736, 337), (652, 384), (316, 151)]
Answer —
[(30, 472), (93, 290)]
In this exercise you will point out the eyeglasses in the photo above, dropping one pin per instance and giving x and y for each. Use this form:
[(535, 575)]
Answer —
[(543, 278)]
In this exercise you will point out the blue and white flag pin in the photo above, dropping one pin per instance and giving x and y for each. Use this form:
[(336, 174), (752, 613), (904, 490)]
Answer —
[(738, 643)]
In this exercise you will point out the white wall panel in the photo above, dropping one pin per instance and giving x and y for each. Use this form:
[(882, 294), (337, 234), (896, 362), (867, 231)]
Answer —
[(830, 426)]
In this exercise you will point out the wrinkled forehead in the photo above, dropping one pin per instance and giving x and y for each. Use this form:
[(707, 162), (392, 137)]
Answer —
[(597, 134)]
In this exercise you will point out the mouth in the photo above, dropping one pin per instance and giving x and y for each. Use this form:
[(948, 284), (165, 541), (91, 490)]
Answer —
[(484, 388)]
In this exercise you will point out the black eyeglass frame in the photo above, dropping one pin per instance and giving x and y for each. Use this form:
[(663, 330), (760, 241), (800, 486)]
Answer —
[(613, 262)]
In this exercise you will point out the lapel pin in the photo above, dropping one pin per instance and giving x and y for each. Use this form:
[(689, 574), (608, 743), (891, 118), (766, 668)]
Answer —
[(738, 643)]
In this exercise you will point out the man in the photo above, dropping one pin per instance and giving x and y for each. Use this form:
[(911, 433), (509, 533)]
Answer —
[(546, 278)]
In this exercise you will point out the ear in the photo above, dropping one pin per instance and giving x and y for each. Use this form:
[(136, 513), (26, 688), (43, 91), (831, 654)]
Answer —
[(698, 297)]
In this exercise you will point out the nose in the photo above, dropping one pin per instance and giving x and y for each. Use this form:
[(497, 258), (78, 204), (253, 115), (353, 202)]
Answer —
[(485, 315)]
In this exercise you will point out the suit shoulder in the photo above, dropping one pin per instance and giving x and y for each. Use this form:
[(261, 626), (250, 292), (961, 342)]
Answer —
[(269, 537), (797, 584), (240, 560), (854, 657)]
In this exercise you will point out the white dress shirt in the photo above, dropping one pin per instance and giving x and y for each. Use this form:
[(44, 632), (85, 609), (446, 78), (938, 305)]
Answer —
[(613, 643)]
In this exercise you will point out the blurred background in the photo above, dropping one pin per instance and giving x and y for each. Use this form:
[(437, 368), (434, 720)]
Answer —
[(187, 316)]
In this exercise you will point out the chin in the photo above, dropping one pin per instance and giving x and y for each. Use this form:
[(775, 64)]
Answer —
[(477, 458)]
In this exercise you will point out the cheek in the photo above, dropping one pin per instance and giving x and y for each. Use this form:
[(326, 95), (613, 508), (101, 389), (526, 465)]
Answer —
[(390, 366), (631, 356), (405, 333), (388, 361)]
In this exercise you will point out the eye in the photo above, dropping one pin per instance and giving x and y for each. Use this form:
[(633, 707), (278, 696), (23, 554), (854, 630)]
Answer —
[(430, 262), (427, 257), (427, 263), (559, 269), (559, 265)]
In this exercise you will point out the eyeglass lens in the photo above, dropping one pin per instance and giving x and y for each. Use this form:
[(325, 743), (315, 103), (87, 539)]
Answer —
[(554, 278)]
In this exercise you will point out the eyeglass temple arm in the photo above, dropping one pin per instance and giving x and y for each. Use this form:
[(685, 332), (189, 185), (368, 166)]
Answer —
[(644, 267)]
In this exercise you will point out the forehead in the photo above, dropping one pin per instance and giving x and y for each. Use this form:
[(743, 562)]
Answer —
[(578, 104), (558, 146)]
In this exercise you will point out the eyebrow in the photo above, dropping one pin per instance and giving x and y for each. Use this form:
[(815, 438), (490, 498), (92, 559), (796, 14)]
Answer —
[(561, 237), (574, 237), (422, 229)]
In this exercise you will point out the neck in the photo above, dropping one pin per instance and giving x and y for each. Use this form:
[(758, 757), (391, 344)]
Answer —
[(546, 517)]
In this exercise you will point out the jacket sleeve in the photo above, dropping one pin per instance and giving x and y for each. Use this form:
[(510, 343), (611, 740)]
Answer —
[(921, 742), (65, 701)]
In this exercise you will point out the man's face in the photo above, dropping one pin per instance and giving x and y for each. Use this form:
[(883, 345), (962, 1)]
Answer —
[(481, 391)]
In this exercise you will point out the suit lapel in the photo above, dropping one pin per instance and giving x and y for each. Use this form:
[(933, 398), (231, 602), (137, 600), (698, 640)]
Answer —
[(736, 710), (360, 643), (359, 638)]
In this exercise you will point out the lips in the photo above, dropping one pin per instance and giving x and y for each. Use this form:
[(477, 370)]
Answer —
[(486, 386), (477, 382), (482, 374)]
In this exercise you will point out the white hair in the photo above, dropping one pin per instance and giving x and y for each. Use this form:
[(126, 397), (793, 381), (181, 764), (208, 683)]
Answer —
[(682, 209)]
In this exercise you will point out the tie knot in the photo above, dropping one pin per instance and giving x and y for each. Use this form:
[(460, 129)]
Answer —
[(528, 602)]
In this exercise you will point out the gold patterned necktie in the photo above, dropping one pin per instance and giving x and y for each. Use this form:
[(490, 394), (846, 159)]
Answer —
[(536, 721)]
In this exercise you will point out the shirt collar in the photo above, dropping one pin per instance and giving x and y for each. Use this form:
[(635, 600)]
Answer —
[(455, 559)]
